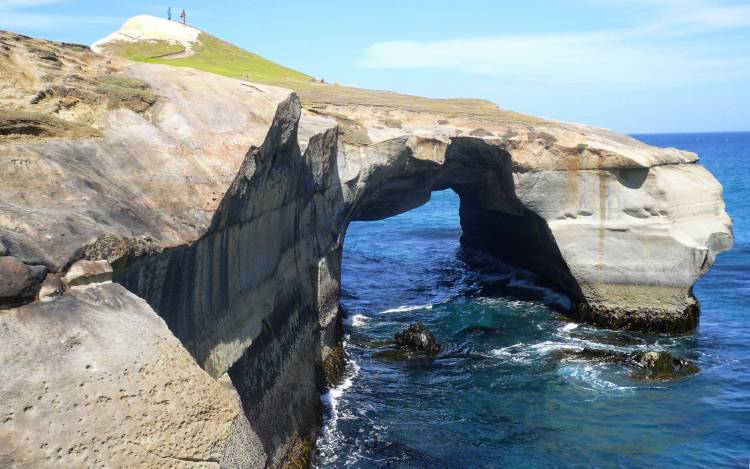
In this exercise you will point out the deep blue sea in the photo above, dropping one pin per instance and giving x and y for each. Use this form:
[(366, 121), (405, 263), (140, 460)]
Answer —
[(499, 395)]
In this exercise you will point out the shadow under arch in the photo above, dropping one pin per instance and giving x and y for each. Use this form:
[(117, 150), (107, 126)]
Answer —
[(492, 217)]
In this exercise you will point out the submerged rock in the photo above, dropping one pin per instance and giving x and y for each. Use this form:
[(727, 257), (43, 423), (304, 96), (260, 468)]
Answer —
[(651, 365), (371, 344), (416, 338), (471, 330), (394, 355), (599, 355), (613, 339), (663, 366)]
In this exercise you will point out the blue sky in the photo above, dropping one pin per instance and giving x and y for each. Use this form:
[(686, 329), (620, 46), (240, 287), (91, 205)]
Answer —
[(629, 65)]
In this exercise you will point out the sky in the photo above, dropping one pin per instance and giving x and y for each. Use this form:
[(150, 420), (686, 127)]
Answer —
[(634, 66)]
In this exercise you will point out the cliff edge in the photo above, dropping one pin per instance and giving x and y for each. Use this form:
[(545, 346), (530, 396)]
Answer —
[(154, 171)]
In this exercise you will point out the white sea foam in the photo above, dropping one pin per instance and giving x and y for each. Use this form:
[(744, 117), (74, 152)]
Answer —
[(506, 351), (356, 320), (525, 354), (330, 438), (331, 397), (548, 346), (406, 308), (570, 326), (583, 374), (550, 296), (589, 376)]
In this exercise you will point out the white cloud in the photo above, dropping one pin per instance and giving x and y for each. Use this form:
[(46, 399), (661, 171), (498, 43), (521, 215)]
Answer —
[(19, 4), (561, 59), (697, 14), (20, 14), (669, 50), (716, 17)]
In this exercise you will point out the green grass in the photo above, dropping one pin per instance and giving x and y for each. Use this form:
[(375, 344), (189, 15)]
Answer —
[(211, 55), (222, 58), (122, 91), (143, 51), (120, 81), (393, 123)]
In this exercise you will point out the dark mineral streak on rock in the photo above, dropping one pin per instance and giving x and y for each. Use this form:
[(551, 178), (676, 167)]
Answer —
[(257, 295)]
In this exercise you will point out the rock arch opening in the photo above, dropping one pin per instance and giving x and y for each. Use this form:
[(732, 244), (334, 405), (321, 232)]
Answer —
[(256, 297), (491, 216)]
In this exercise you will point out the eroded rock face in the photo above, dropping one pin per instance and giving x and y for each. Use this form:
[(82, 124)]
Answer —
[(84, 272), (51, 287), (225, 206), (95, 378)]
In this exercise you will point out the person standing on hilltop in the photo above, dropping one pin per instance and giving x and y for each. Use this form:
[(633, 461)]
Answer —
[(169, 13), (183, 17)]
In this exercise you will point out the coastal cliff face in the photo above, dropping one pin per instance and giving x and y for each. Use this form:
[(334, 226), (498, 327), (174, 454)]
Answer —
[(222, 208)]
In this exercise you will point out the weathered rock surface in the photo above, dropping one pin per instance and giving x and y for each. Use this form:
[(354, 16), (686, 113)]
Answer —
[(19, 283), (224, 205), (656, 366), (51, 287), (417, 339), (333, 368), (152, 180), (84, 272), (95, 379), (663, 366)]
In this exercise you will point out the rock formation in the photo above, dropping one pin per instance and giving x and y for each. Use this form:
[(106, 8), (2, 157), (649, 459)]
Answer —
[(654, 365), (418, 339), (221, 208)]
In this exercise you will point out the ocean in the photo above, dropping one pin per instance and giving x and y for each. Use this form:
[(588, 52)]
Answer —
[(499, 395)]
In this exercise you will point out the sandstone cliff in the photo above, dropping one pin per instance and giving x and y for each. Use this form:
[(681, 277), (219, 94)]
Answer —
[(224, 205)]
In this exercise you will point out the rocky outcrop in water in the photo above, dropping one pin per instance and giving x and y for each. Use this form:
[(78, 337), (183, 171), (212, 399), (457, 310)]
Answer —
[(654, 365), (417, 339), (221, 209), (663, 366)]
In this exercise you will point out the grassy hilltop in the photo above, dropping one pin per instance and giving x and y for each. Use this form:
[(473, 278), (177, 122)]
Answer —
[(210, 54), (214, 55)]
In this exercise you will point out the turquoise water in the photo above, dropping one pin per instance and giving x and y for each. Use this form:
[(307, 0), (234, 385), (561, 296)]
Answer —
[(499, 394)]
